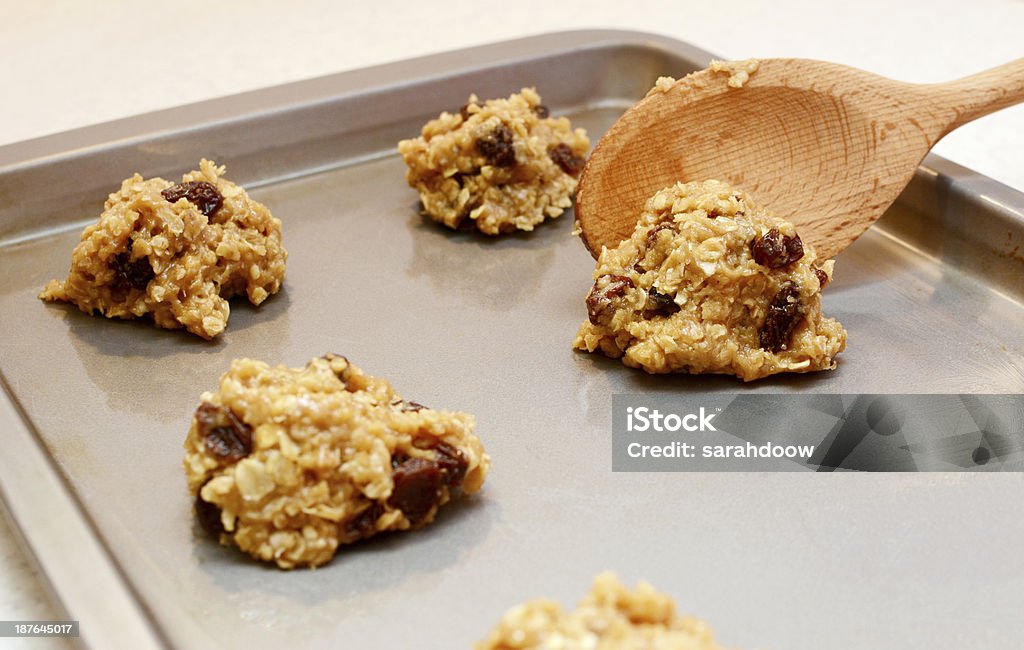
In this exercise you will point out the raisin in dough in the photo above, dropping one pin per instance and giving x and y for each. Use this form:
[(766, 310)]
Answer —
[(711, 283), (288, 463), (175, 252), (497, 166), (610, 617)]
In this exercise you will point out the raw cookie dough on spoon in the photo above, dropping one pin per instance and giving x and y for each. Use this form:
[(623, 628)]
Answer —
[(710, 283)]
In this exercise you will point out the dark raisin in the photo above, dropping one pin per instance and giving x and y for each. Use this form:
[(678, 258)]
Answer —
[(135, 274), (652, 234), (599, 300), (417, 488), (223, 433), (659, 304), (542, 111), (364, 524), (784, 312), (464, 111), (563, 156), (201, 194), (208, 515), (713, 214), (776, 250), (822, 277), (465, 223), (498, 147), (452, 462)]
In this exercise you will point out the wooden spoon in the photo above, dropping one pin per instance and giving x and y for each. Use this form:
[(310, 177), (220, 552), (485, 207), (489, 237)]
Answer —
[(824, 146)]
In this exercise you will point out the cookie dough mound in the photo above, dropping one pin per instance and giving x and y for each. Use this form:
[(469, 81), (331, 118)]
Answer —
[(497, 166), (711, 283), (175, 252), (288, 463), (610, 617)]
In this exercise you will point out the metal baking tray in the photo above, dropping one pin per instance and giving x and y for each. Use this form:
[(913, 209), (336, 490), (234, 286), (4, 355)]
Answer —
[(95, 411)]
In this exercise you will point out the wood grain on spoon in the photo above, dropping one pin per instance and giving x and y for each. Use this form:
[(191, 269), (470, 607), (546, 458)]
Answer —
[(824, 146)]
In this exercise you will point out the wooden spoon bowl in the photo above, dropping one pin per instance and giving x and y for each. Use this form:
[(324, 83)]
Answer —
[(824, 146)]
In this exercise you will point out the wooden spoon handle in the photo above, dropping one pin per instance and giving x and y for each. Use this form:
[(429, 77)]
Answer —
[(982, 93)]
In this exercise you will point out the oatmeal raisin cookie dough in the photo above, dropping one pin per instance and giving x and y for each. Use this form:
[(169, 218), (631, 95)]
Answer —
[(610, 617), (711, 283), (498, 166), (175, 252), (289, 463)]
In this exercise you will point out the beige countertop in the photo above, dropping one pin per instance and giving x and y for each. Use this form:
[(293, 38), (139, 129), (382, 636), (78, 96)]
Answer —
[(70, 64)]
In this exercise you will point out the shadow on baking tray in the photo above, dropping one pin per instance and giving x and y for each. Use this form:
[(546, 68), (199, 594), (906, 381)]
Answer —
[(142, 368), (364, 575), (491, 270)]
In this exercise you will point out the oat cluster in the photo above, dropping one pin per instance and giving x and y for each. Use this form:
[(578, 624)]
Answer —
[(289, 463), (739, 71), (711, 283), (610, 617), (175, 252), (496, 166)]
